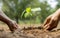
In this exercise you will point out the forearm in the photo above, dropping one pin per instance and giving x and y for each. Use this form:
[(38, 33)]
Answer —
[(4, 18), (58, 12)]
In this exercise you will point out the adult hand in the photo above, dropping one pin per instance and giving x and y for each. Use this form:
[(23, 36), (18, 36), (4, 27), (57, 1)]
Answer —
[(13, 25), (51, 22)]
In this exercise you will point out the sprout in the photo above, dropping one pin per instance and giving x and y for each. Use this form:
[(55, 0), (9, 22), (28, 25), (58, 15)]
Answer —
[(27, 12)]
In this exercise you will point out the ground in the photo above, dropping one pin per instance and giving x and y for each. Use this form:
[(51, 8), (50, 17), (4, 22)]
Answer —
[(30, 31)]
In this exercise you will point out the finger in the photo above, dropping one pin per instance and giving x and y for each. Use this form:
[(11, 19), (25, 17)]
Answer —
[(46, 26), (51, 24), (47, 21), (16, 25)]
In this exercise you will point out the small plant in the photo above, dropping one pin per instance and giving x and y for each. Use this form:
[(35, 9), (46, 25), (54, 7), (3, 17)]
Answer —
[(27, 12)]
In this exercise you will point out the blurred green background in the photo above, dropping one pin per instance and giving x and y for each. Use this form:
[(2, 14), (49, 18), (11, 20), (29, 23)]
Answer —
[(29, 11)]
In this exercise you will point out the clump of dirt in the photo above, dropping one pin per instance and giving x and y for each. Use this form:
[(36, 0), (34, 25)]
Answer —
[(30, 32)]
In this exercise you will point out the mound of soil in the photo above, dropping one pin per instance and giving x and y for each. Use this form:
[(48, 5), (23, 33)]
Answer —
[(30, 32)]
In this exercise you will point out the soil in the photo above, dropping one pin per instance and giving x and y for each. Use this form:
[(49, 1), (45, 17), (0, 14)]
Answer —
[(30, 32)]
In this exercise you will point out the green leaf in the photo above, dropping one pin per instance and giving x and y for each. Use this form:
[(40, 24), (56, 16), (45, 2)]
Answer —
[(28, 10)]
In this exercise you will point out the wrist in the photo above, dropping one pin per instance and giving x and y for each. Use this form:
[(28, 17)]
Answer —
[(8, 22)]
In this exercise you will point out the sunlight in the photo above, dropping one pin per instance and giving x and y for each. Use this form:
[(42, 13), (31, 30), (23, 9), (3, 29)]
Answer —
[(53, 3)]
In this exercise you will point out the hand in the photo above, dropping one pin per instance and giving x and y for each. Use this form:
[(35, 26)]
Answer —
[(51, 22), (13, 25)]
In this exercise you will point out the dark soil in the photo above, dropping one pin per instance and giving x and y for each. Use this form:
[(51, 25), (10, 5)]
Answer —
[(30, 32)]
